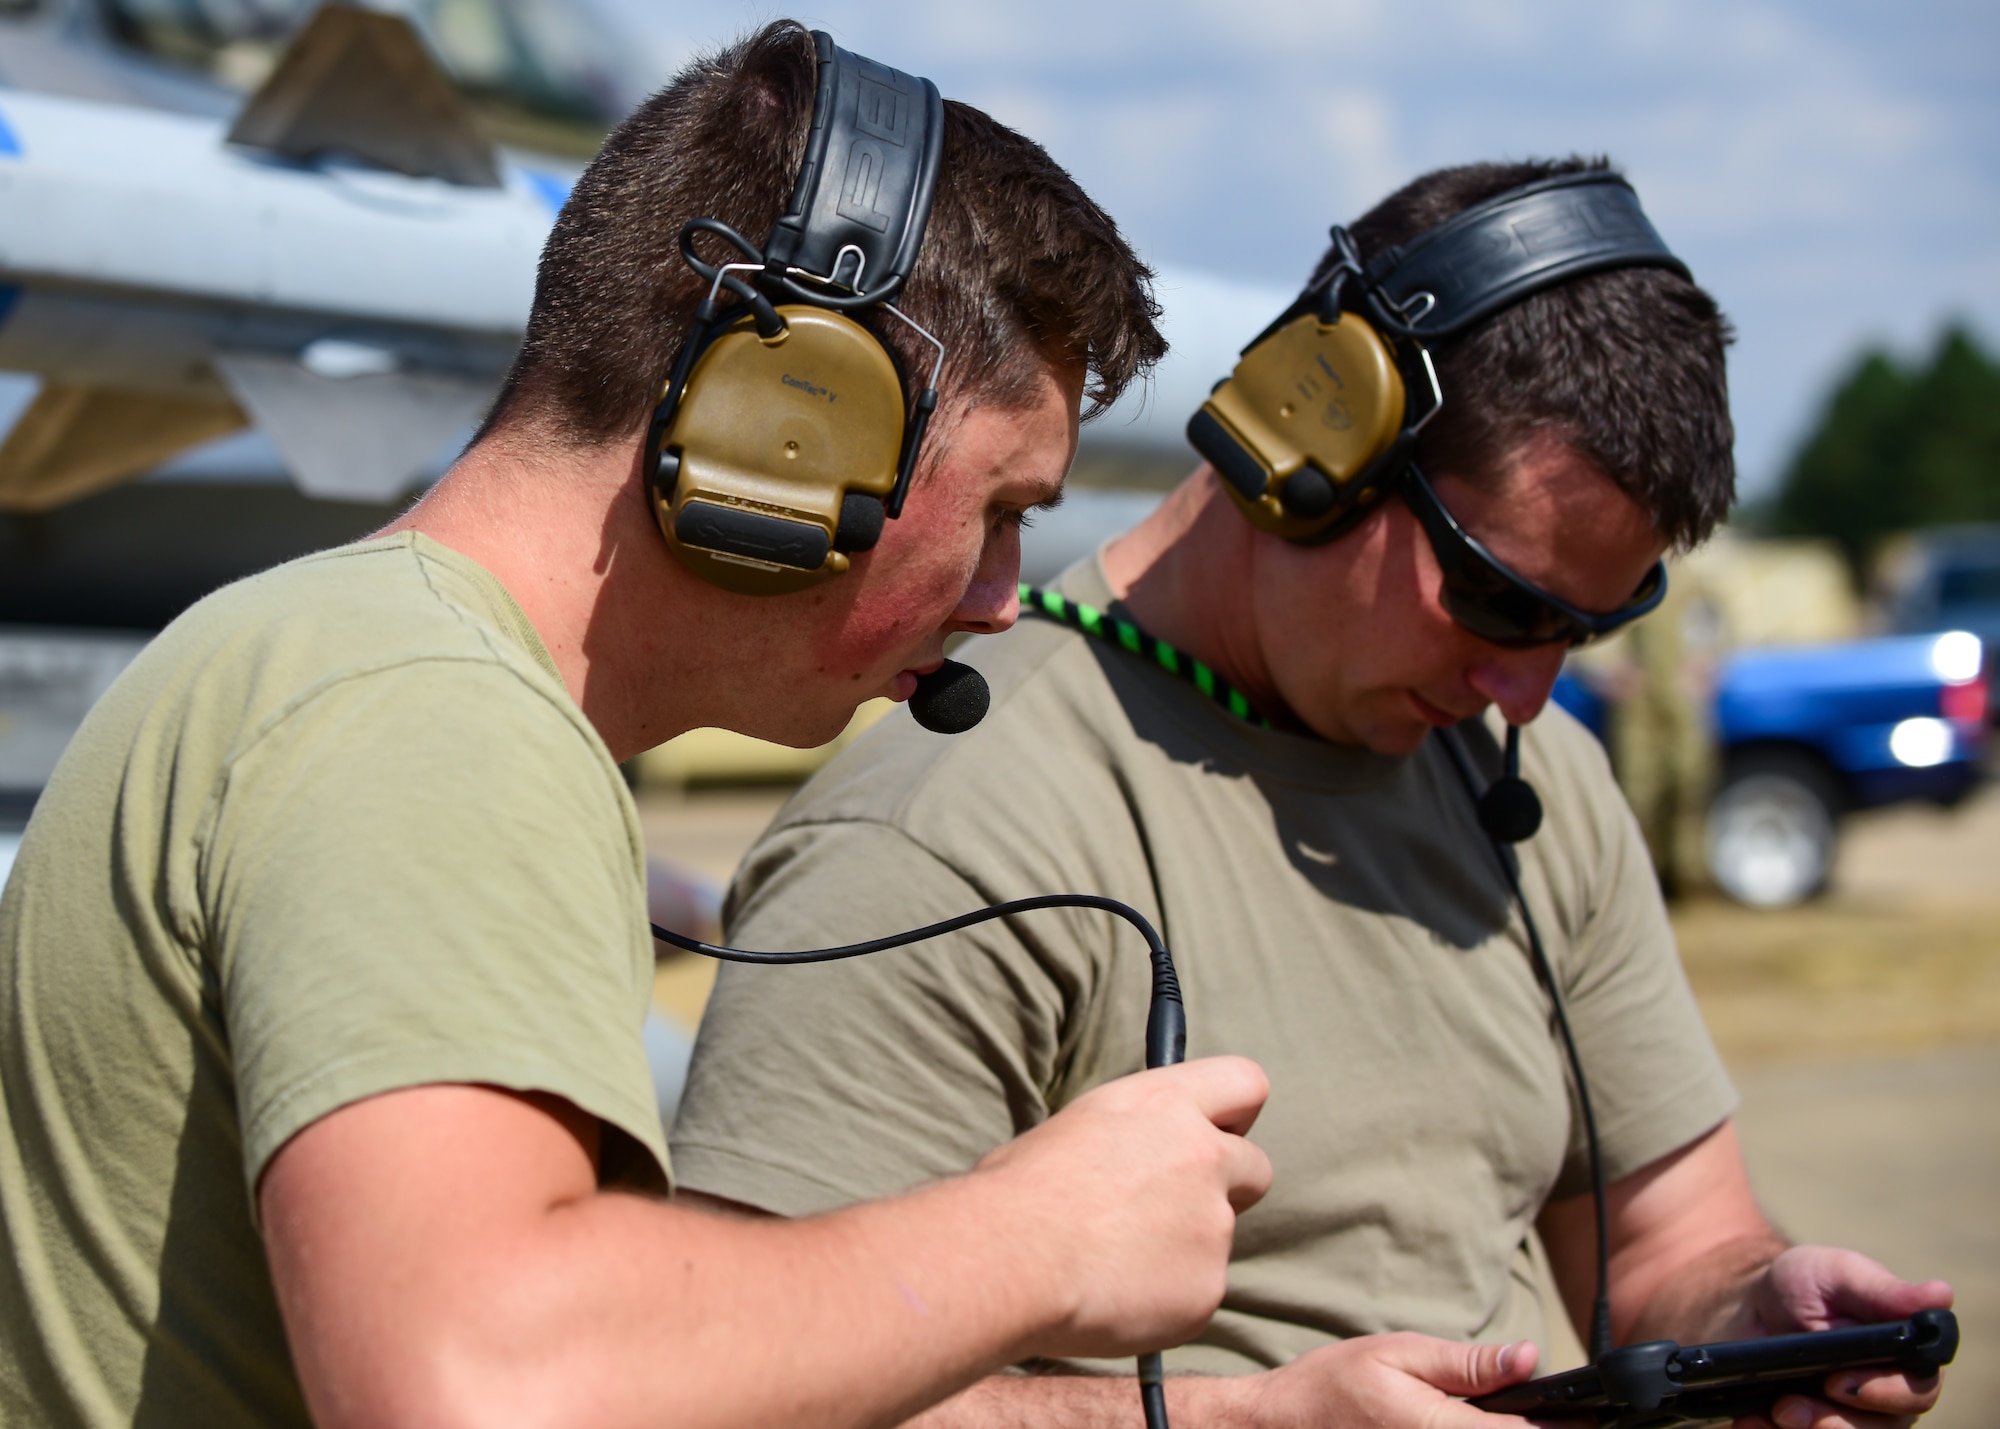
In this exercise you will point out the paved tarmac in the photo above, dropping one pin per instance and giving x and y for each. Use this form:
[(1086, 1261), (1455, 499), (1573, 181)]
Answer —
[(1863, 1031)]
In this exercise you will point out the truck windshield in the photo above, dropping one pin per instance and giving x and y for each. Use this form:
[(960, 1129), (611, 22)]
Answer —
[(1970, 585), (541, 73)]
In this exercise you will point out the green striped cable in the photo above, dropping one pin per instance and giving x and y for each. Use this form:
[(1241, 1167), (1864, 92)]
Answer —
[(1102, 625)]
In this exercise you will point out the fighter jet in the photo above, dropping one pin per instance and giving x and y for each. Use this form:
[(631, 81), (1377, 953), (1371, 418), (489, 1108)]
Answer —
[(344, 258)]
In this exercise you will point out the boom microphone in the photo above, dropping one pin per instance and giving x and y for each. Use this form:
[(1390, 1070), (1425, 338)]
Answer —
[(1509, 811), (951, 699)]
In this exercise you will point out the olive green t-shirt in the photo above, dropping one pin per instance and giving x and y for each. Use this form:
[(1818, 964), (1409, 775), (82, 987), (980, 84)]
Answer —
[(1335, 914), (339, 829)]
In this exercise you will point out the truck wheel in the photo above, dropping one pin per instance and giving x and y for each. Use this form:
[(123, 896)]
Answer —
[(1771, 829)]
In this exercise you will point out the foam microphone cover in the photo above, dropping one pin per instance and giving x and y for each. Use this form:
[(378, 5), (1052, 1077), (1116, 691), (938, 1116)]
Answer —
[(951, 699), (1510, 811)]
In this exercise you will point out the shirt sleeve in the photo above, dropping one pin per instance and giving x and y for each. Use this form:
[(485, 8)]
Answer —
[(1656, 1081), (820, 1085), (426, 875)]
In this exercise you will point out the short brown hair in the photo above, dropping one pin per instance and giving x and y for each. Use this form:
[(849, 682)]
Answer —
[(1018, 268), (1625, 366)]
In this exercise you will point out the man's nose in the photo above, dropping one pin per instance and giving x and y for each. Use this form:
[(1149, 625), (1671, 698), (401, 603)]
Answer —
[(992, 600), (1517, 681)]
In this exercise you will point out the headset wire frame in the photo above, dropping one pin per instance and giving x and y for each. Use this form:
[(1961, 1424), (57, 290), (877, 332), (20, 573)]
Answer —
[(709, 314)]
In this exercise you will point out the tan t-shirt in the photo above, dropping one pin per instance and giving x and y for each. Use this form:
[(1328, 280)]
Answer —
[(1335, 914), (338, 830)]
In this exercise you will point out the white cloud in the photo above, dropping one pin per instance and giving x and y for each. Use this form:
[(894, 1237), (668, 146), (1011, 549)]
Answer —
[(1364, 160), (1207, 320)]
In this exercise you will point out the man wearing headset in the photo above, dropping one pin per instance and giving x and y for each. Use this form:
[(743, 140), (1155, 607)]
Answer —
[(1270, 723), (323, 965)]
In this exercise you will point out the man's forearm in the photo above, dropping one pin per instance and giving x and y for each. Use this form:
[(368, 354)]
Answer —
[(1687, 1241), (442, 1255), (851, 1320), (620, 1310), (1707, 1298)]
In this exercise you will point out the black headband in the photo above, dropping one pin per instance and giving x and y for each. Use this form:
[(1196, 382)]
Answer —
[(864, 191), (1517, 243)]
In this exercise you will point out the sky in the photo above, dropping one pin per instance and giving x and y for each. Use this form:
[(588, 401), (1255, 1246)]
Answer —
[(1830, 170)]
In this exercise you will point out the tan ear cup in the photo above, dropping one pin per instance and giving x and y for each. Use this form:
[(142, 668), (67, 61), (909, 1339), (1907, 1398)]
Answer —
[(1306, 411), (781, 452)]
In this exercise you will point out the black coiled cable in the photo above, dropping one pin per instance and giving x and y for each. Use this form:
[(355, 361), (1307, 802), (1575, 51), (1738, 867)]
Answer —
[(1166, 1017)]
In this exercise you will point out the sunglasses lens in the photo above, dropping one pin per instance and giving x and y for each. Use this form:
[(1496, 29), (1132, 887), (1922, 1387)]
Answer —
[(1498, 611), (1498, 606)]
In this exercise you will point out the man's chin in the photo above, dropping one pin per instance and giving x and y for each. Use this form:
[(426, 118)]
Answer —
[(797, 728), (1394, 734), (1402, 739)]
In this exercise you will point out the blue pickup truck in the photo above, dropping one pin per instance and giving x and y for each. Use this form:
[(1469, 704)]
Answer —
[(1812, 732), (1808, 733)]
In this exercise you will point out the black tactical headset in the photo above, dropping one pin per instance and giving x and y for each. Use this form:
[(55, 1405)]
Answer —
[(782, 439), (1316, 423)]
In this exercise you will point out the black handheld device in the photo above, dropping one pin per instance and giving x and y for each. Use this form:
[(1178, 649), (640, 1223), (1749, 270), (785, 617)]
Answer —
[(1662, 1383)]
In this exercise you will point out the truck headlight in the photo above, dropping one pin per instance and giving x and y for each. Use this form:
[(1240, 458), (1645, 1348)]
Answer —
[(1921, 742), (1955, 656)]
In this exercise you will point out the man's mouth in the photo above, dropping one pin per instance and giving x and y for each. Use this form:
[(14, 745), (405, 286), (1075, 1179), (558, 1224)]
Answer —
[(1434, 714), (906, 681)]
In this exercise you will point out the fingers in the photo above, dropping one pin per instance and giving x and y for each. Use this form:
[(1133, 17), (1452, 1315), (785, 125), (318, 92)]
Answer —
[(1463, 1370), (1248, 1170), (1868, 1292), (1884, 1392), (1141, 1179), (1229, 1090), (1816, 1285), (1797, 1412), (1400, 1379)]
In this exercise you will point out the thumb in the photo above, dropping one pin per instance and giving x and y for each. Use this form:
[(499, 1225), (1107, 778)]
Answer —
[(1875, 1293), (1814, 1285), (1464, 1370)]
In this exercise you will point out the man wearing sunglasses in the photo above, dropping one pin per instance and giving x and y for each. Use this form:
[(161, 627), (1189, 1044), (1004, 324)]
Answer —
[(1247, 736), (1490, 599)]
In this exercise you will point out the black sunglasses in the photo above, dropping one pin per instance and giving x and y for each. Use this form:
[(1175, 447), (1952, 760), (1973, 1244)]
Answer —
[(1488, 599)]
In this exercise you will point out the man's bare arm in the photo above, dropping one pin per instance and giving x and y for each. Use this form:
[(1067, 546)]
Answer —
[(442, 1255), (1377, 1382), (1687, 1236)]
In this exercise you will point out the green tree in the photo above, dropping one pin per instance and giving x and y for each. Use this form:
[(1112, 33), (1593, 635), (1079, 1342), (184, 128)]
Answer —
[(1898, 447)]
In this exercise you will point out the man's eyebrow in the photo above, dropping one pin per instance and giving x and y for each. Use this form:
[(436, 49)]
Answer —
[(1055, 497)]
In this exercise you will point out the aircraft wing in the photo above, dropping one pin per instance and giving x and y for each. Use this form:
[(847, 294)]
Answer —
[(165, 283)]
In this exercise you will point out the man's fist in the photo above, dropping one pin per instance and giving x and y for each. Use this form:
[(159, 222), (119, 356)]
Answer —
[(1130, 1195)]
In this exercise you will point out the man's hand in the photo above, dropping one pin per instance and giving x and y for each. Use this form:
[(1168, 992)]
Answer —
[(1376, 1382), (1385, 1381), (1815, 1287), (1693, 1259), (1134, 1189)]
